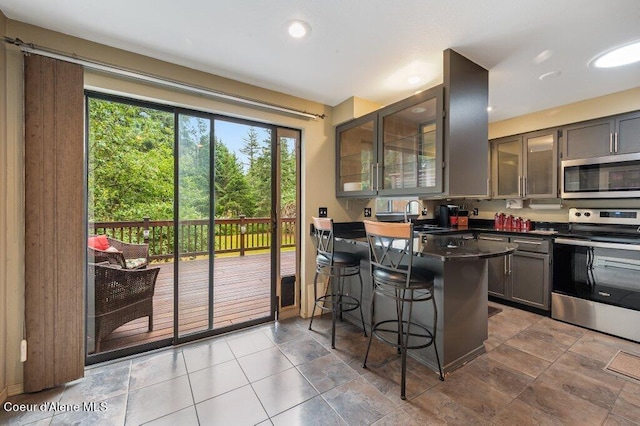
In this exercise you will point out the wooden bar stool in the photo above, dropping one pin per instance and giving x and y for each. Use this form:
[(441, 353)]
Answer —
[(336, 265), (393, 276)]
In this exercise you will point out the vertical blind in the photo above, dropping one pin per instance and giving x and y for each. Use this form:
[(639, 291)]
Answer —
[(54, 206)]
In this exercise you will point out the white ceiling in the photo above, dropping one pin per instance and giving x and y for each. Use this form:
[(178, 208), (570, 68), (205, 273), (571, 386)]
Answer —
[(367, 48)]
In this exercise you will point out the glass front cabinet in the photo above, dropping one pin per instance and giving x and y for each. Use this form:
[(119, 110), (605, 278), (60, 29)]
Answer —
[(525, 166), (394, 151), (357, 157)]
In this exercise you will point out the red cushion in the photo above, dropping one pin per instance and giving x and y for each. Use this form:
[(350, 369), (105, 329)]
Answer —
[(99, 242)]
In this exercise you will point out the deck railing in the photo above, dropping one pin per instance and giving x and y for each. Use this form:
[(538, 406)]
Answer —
[(230, 235)]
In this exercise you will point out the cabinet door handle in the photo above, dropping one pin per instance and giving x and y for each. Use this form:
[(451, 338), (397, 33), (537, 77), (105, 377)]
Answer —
[(519, 186), (510, 258), (610, 143), (371, 178), (377, 176), (615, 142), (524, 186), (506, 258), (491, 239), (528, 242), (489, 187)]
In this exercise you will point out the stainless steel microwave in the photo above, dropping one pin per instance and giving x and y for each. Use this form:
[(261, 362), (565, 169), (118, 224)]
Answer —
[(612, 176)]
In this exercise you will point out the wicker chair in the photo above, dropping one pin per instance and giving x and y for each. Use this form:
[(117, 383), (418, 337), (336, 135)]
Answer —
[(121, 295), (127, 256)]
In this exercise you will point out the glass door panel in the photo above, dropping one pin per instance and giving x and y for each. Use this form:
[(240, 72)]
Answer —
[(243, 224), (508, 155), (288, 145), (410, 147), (541, 172), (130, 209), (357, 156), (194, 277)]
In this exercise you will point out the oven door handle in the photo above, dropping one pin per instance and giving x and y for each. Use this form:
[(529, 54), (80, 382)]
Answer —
[(598, 244)]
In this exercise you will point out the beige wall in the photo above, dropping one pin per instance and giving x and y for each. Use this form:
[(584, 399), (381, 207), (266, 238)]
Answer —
[(615, 103), (3, 215)]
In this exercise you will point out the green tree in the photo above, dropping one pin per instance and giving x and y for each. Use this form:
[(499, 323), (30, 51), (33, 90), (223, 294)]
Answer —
[(194, 149), (251, 147), (288, 177), (130, 170), (233, 195)]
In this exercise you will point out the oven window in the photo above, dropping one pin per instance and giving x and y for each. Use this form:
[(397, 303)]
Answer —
[(598, 274)]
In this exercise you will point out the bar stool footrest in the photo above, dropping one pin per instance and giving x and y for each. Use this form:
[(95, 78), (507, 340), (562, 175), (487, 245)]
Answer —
[(426, 334), (348, 304)]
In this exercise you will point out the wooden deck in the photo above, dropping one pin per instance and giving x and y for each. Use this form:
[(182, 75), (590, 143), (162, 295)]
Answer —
[(241, 293)]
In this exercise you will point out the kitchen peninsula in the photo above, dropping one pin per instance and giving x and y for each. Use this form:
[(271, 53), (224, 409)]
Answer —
[(461, 273)]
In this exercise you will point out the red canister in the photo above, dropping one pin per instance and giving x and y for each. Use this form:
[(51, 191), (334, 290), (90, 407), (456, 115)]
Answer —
[(517, 223), (498, 221), (526, 225), (507, 222)]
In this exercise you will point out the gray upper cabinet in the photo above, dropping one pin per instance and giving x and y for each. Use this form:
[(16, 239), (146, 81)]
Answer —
[(411, 145), (628, 133), (356, 157), (506, 167), (430, 144), (598, 138), (394, 151), (525, 166)]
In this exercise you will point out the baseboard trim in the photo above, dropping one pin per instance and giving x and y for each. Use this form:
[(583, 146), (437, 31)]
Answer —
[(16, 389), (4, 394)]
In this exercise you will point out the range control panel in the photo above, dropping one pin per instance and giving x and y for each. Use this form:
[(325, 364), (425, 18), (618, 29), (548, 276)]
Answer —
[(605, 216)]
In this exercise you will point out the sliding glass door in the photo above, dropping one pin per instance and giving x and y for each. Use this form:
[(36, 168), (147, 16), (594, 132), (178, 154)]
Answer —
[(194, 259), (201, 206)]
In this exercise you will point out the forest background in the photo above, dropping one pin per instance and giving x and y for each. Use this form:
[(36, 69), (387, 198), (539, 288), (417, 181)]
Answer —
[(131, 167)]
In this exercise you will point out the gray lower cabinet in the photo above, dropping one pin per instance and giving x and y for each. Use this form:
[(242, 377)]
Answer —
[(524, 276), (498, 276), (530, 279)]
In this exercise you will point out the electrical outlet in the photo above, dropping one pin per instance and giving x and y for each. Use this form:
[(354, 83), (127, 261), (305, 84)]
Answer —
[(322, 212), (475, 211), (367, 212), (424, 211)]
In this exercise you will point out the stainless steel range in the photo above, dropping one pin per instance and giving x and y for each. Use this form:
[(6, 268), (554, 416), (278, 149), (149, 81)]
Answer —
[(596, 271)]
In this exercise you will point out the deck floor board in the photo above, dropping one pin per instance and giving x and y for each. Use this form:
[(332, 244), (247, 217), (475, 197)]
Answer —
[(242, 292)]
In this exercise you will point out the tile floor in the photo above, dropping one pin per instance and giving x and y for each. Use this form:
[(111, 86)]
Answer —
[(536, 371)]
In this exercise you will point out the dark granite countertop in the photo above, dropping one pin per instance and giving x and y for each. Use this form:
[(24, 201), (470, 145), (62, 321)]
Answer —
[(476, 226), (445, 247)]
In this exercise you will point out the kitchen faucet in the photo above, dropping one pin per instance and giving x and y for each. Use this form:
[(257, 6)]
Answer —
[(407, 208)]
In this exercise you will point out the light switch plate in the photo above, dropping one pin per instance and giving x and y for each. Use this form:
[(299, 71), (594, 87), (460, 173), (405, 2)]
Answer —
[(367, 212), (322, 211)]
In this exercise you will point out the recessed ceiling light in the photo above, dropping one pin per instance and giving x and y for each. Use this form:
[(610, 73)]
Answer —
[(418, 110), (623, 55), (549, 75), (414, 79), (298, 29), (489, 108), (542, 56)]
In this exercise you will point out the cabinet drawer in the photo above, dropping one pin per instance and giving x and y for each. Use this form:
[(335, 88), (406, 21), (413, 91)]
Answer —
[(536, 245)]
